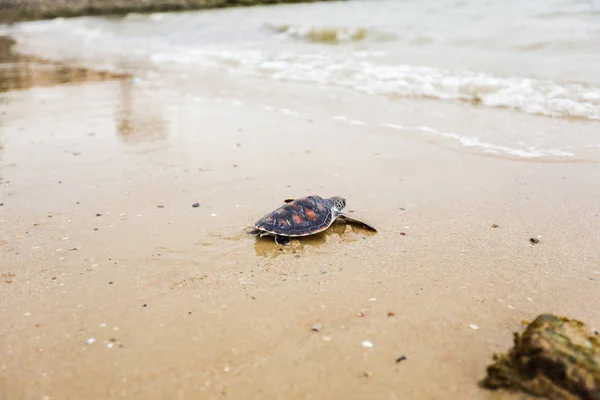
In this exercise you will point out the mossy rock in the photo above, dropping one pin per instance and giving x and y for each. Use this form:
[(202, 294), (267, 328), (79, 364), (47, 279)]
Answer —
[(555, 357)]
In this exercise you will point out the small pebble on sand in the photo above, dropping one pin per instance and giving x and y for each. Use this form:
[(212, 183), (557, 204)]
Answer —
[(317, 327), (372, 299), (90, 340), (367, 344), (473, 326), (196, 205)]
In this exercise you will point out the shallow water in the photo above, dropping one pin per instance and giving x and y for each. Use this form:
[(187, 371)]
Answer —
[(539, 59)]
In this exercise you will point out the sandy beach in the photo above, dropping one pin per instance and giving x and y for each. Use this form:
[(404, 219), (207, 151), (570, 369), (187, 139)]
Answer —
[(115, 286)]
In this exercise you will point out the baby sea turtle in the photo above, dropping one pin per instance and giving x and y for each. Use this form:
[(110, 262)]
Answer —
[(302, 217)]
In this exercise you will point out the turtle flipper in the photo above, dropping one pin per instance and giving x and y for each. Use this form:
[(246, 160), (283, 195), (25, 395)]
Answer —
[(252, 231), (281, 240), (356, 221)]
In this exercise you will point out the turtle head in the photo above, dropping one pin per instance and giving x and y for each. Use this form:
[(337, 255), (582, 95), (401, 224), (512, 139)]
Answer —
[(338, 202)]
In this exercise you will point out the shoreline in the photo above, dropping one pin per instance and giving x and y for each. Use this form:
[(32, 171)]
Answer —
[(111, 274), (13, 11)]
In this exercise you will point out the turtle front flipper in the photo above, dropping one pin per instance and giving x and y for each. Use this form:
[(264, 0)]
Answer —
[(281, 240), (356, 221)]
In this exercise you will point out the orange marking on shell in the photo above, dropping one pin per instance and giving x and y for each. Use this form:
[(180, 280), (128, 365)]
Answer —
[(297, 219), (310, 214), (321, 207)]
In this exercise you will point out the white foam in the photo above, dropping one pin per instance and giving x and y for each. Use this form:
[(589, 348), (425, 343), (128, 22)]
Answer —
[(474, 142), (357, 122), (291, 113), (348, 120), (523, 94), (157, 16)]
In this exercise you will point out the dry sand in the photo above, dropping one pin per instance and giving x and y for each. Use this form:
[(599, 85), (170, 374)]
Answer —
[(114, 286)]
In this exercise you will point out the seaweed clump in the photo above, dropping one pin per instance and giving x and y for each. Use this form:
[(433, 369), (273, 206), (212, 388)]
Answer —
[(555, 357)]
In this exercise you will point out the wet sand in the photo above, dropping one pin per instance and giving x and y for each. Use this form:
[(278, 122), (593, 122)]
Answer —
[(114, 286)]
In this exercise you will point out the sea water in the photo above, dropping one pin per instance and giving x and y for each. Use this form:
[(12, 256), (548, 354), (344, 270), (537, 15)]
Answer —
[(531, 61)]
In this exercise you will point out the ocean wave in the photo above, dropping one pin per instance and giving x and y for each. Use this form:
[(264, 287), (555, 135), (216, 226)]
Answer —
[(474, 142), (362, 71), (531, 96), (327, 35)]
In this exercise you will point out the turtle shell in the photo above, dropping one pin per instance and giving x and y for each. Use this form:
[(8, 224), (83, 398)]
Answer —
[(301, 217)]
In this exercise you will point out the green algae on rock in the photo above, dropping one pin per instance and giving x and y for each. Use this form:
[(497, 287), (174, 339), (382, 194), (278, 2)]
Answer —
[(555, 357)]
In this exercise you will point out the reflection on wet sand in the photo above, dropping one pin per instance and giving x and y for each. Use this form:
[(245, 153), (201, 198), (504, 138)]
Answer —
[(338, 232), (140, 118), (22, 72)]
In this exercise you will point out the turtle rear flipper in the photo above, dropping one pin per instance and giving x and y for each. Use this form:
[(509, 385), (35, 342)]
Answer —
[(281, 240), (356, 221), (252, 231)]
